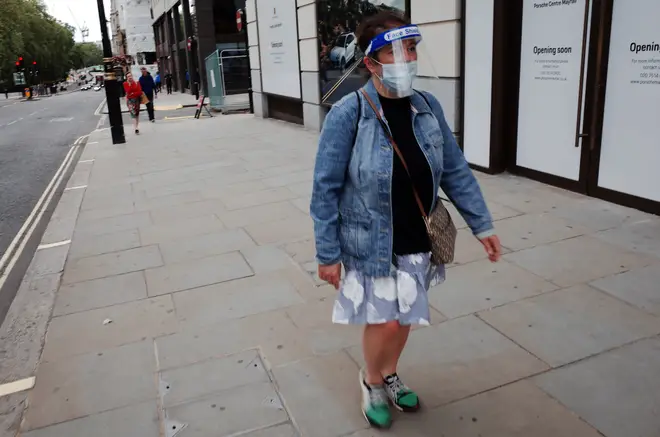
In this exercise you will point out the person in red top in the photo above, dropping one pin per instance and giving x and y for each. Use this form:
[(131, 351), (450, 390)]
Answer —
[(133, 99)]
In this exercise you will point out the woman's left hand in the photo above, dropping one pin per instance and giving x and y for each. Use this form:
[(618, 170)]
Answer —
[(493, 248)]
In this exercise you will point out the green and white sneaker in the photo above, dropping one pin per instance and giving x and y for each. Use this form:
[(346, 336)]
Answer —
[(375, 405), (402, 397)]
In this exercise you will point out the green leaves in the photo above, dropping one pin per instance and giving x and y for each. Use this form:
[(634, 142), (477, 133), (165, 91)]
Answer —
[(26, 29)]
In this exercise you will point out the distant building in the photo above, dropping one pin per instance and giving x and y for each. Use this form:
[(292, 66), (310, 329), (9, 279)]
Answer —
[(132, 33)]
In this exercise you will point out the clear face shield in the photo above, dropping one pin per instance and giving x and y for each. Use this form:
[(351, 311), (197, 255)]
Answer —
[(395, 55)]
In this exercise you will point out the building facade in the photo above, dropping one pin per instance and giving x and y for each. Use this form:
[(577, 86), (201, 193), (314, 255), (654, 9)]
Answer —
[(132, 35), (561, 91), (187, 32)]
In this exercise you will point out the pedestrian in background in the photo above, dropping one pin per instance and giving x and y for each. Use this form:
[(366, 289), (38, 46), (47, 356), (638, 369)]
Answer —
[(148, 87), (375, 184), (134, 93), (168, 82), (158, 83)]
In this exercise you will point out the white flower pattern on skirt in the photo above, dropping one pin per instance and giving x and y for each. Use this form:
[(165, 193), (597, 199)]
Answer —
[(404, 296)]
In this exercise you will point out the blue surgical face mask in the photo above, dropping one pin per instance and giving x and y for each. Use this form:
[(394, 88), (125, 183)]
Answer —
[(398, 77)]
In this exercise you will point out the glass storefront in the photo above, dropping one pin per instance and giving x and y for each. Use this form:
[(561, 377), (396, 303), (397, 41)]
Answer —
[(340, 68)]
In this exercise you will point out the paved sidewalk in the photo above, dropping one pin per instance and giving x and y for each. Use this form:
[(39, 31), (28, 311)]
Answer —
[(164, 102), (186, 304)]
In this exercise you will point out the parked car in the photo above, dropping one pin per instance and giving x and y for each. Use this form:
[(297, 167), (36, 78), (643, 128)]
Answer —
[(343, 53), (97, 88)]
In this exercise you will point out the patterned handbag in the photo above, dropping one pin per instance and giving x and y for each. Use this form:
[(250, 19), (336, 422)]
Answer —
[(439, 225)]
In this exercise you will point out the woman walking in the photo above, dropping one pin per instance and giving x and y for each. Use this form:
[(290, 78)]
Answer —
[(133, 100), (383, 154)]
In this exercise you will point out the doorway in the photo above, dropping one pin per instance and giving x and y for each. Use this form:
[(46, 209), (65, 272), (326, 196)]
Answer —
[(588, 112)]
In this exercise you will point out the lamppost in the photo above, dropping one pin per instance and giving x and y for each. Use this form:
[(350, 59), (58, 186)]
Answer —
[(112, 91)]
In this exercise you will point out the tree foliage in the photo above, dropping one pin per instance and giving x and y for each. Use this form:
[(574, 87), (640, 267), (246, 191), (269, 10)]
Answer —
[(28, 30), (85, 54)]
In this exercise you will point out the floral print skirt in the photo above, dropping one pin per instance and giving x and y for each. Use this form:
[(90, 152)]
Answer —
[(404, 296), (134, 107)]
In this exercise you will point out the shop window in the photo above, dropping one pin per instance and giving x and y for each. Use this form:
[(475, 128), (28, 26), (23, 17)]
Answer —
[(341, 69)]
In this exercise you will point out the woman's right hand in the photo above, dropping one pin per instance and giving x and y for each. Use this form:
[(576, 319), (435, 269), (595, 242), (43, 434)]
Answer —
[(331, 274)]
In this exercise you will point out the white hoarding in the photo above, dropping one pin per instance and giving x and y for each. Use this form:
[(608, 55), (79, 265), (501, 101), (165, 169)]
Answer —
[(630, 150), (278, 47), (549, 86)]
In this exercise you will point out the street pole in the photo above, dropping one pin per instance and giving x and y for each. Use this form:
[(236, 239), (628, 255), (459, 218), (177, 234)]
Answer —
[(112, 92)]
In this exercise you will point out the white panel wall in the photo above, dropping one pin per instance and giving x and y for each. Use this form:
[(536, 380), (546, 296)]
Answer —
[(307, 22), (430, 11), (439, 54), (478, 80), (309, 55)]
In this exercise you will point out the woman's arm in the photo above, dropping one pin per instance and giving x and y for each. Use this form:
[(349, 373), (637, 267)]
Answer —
[(458, 181), (332, 158)]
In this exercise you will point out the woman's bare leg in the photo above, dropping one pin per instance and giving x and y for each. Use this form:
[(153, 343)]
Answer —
[(377, 348), (393, 350)]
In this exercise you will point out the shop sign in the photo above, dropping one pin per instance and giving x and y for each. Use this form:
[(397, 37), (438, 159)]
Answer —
[(278, 47)]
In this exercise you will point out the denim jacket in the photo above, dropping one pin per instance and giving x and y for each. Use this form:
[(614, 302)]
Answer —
[(351, 198)]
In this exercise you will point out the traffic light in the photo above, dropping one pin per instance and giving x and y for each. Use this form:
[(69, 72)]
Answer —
[(19, 63), (34, 62)]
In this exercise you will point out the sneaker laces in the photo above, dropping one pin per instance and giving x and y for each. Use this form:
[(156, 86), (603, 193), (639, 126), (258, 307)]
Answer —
[(396, 387), (377, 396)]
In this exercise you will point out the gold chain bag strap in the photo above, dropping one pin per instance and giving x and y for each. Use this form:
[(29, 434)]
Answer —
[(439, 225)]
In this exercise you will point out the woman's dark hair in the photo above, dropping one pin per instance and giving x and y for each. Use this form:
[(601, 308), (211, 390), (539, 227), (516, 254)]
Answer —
[(377, 24)]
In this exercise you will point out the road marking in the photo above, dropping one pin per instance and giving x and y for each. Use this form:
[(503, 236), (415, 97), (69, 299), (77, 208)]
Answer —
[(100, 108), (79, 187), (15, 121), (61, 119), (16, 247), (101, 121), (17, 386), (179, 118), (93, 142), (51, 245), (85, 161)]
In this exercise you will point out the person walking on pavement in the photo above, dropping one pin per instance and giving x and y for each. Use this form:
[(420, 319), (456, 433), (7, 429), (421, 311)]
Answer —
[(168, 83), (148, 87), (134, 93), (158, 83), (376, 180)]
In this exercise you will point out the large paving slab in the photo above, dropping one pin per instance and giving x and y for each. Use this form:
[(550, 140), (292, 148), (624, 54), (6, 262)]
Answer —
[(86, 246), (110, 264), (642, 236), (298, 227), (139, 420), (598, 215), (232, 300), (639, 287), (88, 331), (617, 392), (481, 285), (260, 214), (322, 395), (577, 260), (198, 380), (207, 244), (196, 273), (463, 357), (92, 383), (162, 233), (529, 230), (230, 412), (98, 293), (112, 224), (276, 336), (516, 410), (570, 324)]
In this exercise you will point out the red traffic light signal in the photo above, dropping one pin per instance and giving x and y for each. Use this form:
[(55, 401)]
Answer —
[(20, 58), (34, 62), (18, 63)]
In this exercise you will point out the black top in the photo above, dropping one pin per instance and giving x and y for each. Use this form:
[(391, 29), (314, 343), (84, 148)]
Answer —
[(408, 224)]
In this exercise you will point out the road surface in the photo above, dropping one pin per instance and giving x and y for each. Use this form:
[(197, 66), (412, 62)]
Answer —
[(35, 136)]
